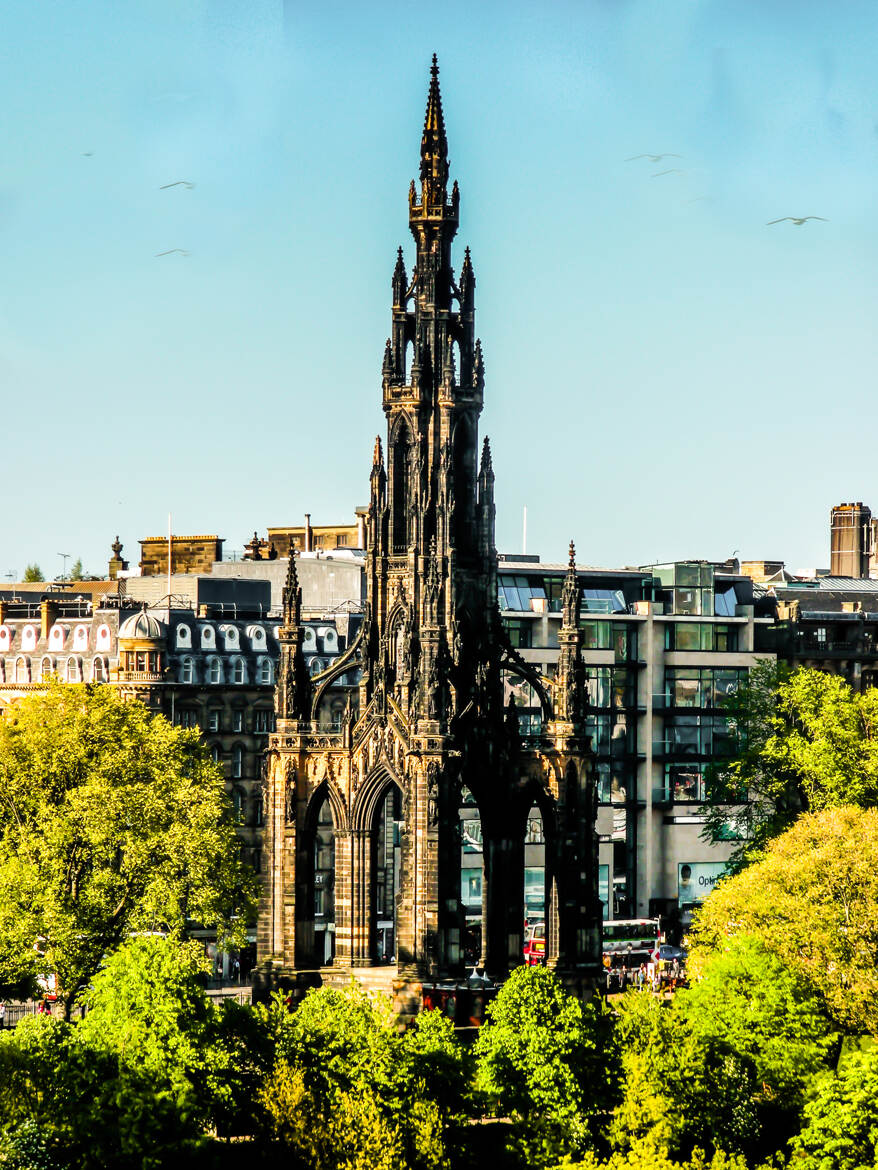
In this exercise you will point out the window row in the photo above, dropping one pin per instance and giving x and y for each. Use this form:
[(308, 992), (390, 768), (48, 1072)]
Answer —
[(72, 669), (58, 638), (701, 636), (263, 720), (205, 637), (611, 686), (693, 686), (215, 671), (696, 735)]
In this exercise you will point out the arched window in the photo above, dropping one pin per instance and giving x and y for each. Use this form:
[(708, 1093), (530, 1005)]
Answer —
[(237, 761), (215, 671), (72, 670), (400, 489), (258, 813), (22, 671), (187, 671), (97, 670), (265, 672), (238, 673), (215, 752), (238, 805), (45, 668)]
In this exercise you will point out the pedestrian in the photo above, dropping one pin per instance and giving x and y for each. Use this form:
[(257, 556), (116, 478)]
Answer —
[(236, 969), (2, 1015)]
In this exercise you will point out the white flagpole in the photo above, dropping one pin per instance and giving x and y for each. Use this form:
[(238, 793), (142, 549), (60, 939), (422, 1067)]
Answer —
[(169, 567)]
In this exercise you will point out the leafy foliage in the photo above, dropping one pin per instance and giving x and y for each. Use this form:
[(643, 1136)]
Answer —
[(540, 1057), (841, 1119), (345, 1091), (813, 902), (33, 573), (804, 741), (114, 821)]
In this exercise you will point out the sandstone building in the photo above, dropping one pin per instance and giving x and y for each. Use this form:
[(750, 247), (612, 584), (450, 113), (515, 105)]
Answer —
[(426, 730)]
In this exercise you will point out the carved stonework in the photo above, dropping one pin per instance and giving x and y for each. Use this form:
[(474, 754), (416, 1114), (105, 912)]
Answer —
[(431, 654)]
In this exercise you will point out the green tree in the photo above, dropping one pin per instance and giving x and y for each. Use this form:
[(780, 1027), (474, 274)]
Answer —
[(33, 573), (803, 741), (114, 821), (726, 1068), (83, 1105), (345, 1091), (840, 1131), (813, 902), (543, 1058), (76, 570)]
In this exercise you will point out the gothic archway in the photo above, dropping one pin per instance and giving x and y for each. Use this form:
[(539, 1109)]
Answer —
[(377, 865)]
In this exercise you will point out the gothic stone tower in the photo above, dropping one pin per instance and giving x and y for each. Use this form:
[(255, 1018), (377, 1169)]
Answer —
[(432, 656)]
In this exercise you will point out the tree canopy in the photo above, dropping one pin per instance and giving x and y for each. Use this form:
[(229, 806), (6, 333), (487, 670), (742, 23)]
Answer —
[(813, 902), (114, 821), (804, 741), (33, 573)]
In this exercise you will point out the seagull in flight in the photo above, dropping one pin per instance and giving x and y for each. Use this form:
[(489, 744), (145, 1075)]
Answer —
[(179, 183), (672, 171), (87, 153), (656, 158), (171, 251), (796, 220)]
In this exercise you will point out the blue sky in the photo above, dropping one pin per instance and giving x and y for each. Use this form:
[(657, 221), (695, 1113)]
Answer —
[(666, 375)]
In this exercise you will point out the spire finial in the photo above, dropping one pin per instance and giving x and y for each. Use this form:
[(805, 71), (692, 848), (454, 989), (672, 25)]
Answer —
[(572, 561), (377, 457), (434, 144)]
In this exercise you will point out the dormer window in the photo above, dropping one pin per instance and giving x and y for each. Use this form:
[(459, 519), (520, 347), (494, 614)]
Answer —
[(183, 638), (5, 638), (29, 638), (80, 638), (57, 637), (103, 638), (231, 638), (257, 637), (208, 638)]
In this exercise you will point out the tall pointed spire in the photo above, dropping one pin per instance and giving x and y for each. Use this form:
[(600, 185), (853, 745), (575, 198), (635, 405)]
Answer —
[(434, 144), (292, 594)]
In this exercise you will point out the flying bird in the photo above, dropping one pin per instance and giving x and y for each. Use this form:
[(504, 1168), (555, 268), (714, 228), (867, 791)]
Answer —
[(87, 153), (179, 183), (171, 251), (652, 157), (672, 171), (796, 220)]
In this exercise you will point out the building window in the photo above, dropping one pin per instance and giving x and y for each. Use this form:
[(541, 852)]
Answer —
[(187, 717), (237, 761), (187, 671), (237, 720), (257, 811), (215, 752), (238, 675), (213, 721), (701, 636), (520, 633), (265, 672), (72, 674), (238, 805), (45, 668), (22, 674), (263, 720), (97, 670), (215, 671)]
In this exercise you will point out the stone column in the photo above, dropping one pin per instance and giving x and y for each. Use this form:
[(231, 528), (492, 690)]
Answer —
[(503, 928), (343, 899), (362, 845)]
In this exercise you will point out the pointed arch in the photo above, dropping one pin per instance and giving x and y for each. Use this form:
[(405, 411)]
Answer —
[(400, 455), (326, 790), (369, 797)]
